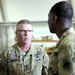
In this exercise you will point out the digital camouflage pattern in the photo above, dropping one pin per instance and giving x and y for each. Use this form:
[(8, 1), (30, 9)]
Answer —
[(63, 59), (16, 62)]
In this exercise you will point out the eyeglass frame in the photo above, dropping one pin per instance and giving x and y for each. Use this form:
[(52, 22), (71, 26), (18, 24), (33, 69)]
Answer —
[(24, 30)]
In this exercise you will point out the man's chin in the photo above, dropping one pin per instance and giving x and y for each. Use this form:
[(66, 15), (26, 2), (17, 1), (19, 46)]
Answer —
[(26, 42)]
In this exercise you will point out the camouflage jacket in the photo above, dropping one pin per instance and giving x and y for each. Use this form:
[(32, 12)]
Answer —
[(63, 59), (16, 62)]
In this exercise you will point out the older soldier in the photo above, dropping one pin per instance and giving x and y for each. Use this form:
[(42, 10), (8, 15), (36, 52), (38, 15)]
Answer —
[(60, 22), (23, 58)]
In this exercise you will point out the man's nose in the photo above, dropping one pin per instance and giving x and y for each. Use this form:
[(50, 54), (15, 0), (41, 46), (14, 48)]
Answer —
[(25, 33)]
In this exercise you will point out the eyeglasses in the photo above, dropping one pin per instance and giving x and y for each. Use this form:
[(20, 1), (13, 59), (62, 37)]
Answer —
[(25, 31)]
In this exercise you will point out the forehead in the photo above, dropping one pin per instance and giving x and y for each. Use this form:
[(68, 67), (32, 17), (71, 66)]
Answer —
[(24, 26)]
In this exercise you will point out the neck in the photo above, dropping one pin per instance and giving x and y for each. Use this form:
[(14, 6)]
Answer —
[(59, 33), (62, 28), (24, 47)]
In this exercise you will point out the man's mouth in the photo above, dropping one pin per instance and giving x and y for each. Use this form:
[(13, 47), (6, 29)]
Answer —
[(25, 38)]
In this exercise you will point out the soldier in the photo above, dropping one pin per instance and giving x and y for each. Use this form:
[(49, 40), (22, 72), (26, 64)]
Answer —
[(60, 22), (23, 58)]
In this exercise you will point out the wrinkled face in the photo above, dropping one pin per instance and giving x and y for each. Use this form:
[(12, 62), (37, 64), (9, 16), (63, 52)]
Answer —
[(24, 33), (51, 23)]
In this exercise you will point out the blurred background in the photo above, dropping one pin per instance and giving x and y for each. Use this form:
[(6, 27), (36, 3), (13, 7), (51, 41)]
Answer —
[(11, 11)]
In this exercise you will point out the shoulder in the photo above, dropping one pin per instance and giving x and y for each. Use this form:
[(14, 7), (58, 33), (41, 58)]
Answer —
[(15, 46), (69, 38), (36, 49), (8, 50)]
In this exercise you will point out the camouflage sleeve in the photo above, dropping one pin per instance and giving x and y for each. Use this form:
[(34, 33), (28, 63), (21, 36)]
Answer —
[(65, 63), (45, 63), (3, 64), (50, 72)]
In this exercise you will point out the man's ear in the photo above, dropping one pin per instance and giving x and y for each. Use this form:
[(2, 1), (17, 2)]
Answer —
[(54, 18)]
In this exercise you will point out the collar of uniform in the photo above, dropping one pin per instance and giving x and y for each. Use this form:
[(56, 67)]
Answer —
[(18, 50), (21, 52), (30, 52), (70, 30)]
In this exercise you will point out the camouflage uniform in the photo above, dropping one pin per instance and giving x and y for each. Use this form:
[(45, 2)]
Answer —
[(63, 59), (17, 62)]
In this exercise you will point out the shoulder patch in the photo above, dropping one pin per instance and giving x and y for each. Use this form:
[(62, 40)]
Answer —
[(66, 64)]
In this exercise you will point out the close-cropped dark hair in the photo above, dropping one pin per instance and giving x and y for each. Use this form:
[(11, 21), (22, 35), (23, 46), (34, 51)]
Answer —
[(62, 9), (24, 21)]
